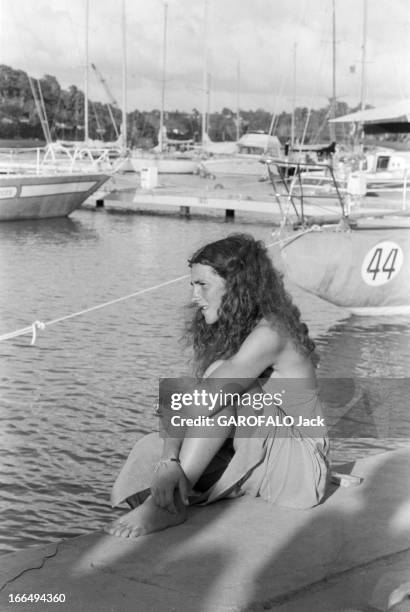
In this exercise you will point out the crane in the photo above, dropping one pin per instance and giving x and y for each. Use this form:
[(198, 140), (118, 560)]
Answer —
[(113, 101)]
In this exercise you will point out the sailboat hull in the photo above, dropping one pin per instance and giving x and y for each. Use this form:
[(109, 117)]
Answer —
[(238, 165), (366, 270), (45, 196), (165, 165)]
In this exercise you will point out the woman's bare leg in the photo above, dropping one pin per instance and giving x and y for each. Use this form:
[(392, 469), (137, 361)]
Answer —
[(197, 452), (195, 456)]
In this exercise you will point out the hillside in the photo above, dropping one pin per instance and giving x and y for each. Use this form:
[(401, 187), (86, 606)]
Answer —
[(64, 108)]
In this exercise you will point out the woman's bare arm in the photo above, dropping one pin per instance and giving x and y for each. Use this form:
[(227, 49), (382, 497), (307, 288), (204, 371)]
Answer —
[(238, 373)]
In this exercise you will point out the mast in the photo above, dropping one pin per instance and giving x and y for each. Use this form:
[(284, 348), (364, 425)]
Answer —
[(205, 74), (124, 82), (364, 41), (164, 55), (86, 135), (238, 92), (208, 100), (292, 125), (333, 101)]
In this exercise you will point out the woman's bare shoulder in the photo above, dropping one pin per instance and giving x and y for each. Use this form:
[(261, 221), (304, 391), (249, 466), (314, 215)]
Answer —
[(269, 329), (264, 338)]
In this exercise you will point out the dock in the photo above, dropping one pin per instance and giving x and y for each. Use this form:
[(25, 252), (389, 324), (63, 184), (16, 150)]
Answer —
[(193, 195), (349, 553)]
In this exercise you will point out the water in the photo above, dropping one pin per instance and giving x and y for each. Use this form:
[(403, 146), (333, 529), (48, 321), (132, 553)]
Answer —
[(73, 404)]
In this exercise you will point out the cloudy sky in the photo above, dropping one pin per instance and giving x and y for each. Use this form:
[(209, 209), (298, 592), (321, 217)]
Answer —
[(275, 43)]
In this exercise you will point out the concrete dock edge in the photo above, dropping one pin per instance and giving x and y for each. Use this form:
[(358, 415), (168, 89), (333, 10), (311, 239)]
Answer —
[(348, 553)]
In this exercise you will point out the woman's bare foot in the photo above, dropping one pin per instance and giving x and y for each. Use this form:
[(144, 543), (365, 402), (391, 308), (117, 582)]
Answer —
[(145, 519)]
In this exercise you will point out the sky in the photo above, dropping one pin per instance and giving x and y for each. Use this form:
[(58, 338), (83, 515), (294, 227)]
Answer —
[(269, 54)]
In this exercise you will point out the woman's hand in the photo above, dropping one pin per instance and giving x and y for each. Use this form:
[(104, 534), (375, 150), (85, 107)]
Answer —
[(168, 478)]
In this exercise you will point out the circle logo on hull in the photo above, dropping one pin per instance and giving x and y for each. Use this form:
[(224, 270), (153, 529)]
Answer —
[(382, 263)]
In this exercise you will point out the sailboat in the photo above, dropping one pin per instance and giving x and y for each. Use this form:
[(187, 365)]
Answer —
[(40, 184), (245, 158), (360, 262), (162, 157), (55, 181), (167, 162), (24, 195), (383, 167)]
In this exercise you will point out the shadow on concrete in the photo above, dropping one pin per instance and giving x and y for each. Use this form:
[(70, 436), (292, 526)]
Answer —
[(348, 532), (243, 554)]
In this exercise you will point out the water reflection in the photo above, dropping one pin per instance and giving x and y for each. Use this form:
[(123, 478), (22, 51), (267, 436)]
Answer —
[(366, 347), (367, 403), (48, 231)]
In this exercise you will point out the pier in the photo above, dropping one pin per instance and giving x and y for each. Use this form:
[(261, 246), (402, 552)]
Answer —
[(350, 552), (193, 195)]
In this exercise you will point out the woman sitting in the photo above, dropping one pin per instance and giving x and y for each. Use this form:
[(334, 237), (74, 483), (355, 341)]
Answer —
[(245, 331)]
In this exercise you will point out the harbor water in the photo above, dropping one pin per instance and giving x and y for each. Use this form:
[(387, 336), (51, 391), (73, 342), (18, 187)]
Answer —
[(73, 404)]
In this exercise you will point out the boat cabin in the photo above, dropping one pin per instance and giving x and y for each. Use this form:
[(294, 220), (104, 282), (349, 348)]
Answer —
[(386, 160), (258, 143)]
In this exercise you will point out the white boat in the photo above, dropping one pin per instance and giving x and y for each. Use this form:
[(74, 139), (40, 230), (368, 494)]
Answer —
[(41, 188), (25, 196), (165, 163), (364, 268), (250, 151), (384, 168), (361, 264), (105, 155), (380, 170), (167, 157), (238, 165)]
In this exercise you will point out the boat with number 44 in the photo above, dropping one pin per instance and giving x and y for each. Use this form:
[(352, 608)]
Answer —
[(361, 262)]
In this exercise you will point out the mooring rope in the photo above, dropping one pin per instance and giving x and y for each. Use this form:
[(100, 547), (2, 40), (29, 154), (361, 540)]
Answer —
[(41, 325)]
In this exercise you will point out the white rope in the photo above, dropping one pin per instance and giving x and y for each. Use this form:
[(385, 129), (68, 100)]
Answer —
[(41, 325)]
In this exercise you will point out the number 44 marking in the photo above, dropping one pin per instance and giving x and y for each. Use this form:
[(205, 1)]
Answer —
[(382, 263), (374, 265)]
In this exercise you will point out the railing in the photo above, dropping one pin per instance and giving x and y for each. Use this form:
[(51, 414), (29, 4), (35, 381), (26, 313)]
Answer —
[(57, 159), (293, 182), (290, 175)]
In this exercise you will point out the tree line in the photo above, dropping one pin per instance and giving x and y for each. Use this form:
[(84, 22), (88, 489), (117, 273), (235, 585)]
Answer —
[(64, 110)]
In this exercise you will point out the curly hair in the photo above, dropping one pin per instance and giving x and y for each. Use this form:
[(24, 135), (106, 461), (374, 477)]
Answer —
[(254, 290)]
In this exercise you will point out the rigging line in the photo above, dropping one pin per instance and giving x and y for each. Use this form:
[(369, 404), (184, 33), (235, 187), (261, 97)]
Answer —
[(32, 329), (283, 80), (319, 72)]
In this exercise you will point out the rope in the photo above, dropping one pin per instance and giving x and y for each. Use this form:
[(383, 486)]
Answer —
[(41, 325)]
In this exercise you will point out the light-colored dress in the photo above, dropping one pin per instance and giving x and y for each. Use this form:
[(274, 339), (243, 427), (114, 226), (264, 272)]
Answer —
[(282, 465)]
